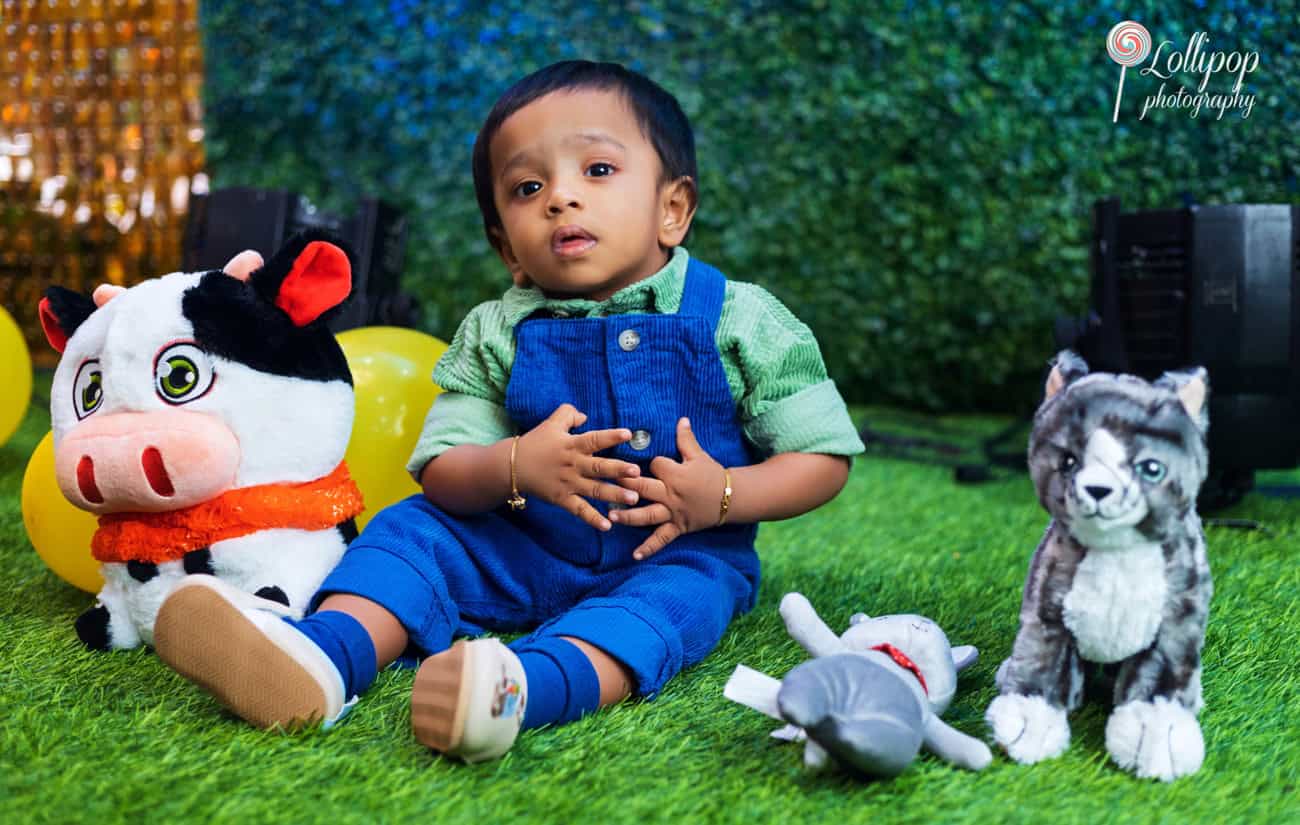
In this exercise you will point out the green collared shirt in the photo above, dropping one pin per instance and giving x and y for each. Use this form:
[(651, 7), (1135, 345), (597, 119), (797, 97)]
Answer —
[(784, 400)]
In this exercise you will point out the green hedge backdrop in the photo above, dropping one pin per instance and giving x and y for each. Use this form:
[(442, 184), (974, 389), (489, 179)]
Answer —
[(915, 179)]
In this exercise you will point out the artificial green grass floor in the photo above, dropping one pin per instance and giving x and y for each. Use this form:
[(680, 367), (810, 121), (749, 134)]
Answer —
[(116, 737)]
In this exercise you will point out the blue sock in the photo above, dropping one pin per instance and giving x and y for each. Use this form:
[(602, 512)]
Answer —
[(346, 643), (562, 683)]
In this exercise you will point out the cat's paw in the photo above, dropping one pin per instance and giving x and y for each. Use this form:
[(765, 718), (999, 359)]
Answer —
[(1027, 727), (1160, 739)]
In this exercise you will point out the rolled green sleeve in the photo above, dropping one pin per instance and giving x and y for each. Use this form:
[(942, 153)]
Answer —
[(478, 360), (787, 403), (813, 420), (457, 418)]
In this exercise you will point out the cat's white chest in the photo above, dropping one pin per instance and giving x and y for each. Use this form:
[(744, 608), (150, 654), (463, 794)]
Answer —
[(1116, 602)]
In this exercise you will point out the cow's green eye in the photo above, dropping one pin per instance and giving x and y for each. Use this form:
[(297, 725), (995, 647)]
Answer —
[(88, 391), (179, 378), (182, 373)]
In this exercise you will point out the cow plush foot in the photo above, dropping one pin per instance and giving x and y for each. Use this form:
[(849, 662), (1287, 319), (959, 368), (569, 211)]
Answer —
[(1028, 728), (274, 594), (1155, 740), (92, 628)]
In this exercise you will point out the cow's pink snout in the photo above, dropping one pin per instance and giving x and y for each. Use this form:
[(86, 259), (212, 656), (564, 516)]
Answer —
[(146, 462)]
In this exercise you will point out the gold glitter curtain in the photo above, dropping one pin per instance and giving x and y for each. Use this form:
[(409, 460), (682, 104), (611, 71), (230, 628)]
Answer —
[(101, 145)]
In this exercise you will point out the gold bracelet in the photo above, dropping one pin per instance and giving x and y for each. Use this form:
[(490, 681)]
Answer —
[(516, 501), (726, 496)]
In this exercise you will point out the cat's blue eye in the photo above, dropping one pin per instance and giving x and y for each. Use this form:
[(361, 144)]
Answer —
[(1150, 470), (1068, 462)]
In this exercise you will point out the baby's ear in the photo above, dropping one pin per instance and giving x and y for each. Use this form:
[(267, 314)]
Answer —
[(1067, 368), (677, 201)]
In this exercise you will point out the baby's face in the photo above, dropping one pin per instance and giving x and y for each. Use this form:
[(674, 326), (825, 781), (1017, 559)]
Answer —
[(578, 189)]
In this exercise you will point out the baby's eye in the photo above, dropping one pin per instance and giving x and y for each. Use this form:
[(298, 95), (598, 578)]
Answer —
[(599, 170), (528, 187)]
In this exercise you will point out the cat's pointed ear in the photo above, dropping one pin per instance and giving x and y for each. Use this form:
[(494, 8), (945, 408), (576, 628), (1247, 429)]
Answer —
[(1192, 386), (1067, 368)]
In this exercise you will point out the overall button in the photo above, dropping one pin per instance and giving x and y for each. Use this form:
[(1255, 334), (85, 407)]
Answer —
[(628, 339), (640, 439)]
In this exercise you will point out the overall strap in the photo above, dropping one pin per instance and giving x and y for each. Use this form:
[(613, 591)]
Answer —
[(703, 292)]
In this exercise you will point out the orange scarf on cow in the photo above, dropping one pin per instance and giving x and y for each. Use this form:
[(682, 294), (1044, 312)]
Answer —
[(159, 537)]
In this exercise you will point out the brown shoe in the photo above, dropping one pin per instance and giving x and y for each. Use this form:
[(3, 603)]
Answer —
[(238, 648)]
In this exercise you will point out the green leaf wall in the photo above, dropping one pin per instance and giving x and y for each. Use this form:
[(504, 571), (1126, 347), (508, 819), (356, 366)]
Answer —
[(915, 179)]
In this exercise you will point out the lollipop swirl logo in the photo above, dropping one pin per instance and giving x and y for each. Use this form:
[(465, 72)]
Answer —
[(1128, 44)]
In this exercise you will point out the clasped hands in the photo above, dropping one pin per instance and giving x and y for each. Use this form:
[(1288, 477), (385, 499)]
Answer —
[(559, 467)]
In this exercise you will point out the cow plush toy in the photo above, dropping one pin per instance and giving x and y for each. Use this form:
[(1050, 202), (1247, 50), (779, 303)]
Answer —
[(203, 417)]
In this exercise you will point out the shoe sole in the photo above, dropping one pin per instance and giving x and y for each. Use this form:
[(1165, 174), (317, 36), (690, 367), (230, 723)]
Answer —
[(208, 640), (440, 699)]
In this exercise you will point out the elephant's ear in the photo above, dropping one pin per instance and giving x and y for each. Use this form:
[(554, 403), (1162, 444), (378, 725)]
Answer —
[(963, 656)]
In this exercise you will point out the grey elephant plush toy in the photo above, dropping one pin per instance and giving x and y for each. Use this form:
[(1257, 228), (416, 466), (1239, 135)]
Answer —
[(869, 699)]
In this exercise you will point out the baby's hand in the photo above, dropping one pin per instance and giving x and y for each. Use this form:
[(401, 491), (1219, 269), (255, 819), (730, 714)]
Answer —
[(687, 494), (559, 467)]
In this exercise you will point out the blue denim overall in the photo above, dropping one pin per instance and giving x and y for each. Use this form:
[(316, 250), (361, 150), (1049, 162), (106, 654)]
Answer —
[(542, 568)]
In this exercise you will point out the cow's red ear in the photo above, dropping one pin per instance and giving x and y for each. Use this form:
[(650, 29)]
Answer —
[(320, 279), (61, 312), (53, 332)]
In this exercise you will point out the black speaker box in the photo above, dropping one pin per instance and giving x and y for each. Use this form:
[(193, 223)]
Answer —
[(1215, 286), (228, 221)]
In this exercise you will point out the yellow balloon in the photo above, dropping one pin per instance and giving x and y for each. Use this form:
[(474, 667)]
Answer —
[(60, 532), (391, 372), (15, 376)]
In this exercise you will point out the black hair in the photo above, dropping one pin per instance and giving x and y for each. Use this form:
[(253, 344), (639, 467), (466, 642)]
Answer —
[(657, 112)]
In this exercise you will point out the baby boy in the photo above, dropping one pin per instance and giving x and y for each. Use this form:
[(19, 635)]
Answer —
[(610, 433)]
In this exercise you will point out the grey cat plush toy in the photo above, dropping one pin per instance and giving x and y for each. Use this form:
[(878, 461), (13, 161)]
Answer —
[(1121, 577), (870, 698)]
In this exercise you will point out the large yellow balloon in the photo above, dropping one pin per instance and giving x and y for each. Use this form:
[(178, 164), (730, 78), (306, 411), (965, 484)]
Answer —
[(60, 532), (15, 376), (391, 369)]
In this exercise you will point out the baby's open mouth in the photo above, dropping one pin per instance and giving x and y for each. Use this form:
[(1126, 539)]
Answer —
[(571, 241)]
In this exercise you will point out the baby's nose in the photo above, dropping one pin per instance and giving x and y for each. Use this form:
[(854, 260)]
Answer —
[(562, 197)]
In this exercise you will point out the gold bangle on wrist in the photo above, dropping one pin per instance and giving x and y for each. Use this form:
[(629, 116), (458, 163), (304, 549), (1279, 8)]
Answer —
[(726, 496), (516, 501)]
